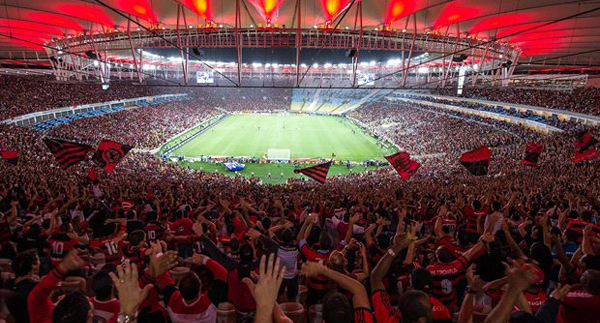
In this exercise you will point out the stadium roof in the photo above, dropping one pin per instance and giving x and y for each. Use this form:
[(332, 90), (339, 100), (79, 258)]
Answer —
[(547, 31)]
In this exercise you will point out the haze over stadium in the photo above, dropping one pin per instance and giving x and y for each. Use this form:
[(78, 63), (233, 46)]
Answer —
[(299, 161)]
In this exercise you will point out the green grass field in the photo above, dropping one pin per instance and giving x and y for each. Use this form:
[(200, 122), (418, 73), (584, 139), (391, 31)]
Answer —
[(251, 135)]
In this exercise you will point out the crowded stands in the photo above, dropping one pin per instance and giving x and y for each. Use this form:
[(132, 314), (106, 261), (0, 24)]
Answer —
[(152, 242), (582, 100)]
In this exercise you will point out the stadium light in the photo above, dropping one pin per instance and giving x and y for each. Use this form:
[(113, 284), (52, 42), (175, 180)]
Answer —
[(302, 65), (316, 65), (268, 65), (373, 63), (423, 70), (364, 64), (327, 65), (256, 64)]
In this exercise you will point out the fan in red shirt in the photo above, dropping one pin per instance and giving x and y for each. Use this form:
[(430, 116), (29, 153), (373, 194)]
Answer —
[(104, 302), (580, 306), (186, 303), (181, 228), (112, 243), (336, 307), (76, 306), (154, 229), (61, 243), (448, 273), (413, 305), (135, 249), (317, 286), (472, 213)]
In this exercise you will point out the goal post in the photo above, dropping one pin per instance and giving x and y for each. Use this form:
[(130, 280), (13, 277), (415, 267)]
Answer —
[(279, 154)]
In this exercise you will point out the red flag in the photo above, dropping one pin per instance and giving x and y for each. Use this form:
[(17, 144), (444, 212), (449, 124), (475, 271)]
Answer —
[(585, 147), (403, 164), (317, 172), (110, 153), (11, 156), (477, 161), (532, 154), (590, 154)]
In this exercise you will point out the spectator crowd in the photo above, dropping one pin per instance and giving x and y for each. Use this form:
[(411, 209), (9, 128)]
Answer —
[(151, 242)]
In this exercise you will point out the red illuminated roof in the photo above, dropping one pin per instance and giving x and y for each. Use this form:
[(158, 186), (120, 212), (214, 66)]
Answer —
[(530, 24)]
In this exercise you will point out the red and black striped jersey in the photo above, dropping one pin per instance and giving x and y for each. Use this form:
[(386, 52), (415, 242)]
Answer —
[(446, 276), (472, 215), (384, 311), (135, 255), (451, 244), (363, 315), (319, 282), (155, 231), (60, 244), (110, 246)]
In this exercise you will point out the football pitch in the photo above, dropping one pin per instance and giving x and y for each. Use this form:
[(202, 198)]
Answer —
[(306, 136)]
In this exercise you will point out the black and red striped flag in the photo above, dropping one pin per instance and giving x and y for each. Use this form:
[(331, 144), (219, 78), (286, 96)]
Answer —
[(10, 156), (532, 154), (110, 153), (67, 153), (477, 161), (317, 172), (585, 147), (403, 164)]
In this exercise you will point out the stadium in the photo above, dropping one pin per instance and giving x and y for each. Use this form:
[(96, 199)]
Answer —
[(299, 161)]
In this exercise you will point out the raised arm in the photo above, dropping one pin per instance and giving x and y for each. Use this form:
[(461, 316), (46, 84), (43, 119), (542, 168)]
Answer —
[(519, 278), (360, 299), (383, 266)]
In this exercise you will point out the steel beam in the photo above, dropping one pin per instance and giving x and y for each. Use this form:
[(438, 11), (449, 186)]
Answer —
[(298, 40), (238, 40), (412, 46), (179, 44), (483, 58), (356, 57), (135, 63)]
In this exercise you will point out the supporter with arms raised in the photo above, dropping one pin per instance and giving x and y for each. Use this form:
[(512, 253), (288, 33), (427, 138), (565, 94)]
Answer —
[(75, 307), (186, 302), (335, 304)]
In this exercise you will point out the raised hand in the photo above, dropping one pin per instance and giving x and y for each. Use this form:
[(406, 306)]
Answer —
[(312, 269), (72, 261), (161, 262), (265, 290), (128, 287), (520, 275)]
